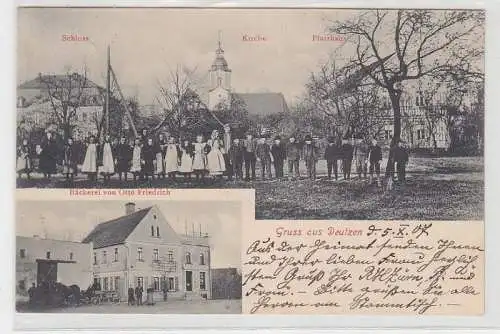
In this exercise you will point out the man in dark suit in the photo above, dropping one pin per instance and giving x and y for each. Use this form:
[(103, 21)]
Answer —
[(332, 155), (279, 156), (375, 157), (250, 158), (347, 153)]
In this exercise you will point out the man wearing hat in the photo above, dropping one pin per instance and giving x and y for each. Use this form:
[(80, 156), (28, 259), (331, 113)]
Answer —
[(279, 155), (293, 157), (263, 153), (332, 155), (310, 156)]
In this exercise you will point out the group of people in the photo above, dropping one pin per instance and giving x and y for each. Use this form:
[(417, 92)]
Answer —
[(151, 157)]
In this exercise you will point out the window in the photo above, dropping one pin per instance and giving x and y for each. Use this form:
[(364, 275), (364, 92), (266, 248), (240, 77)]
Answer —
[(388, 134), (171, 284), (156, 283), (219, 81), (152, 231), (420, 134), (155, 254), (170, 256), (203, 285), (116, 255), (105, 285), (104, 257), (48, 255), (95, 258), (189, 281), (71, 256), (117, 283), (202, 259), (139, 254), (188, 258), (96, 281), (22, 253), (154, 216), (140, 281), (158, 231)]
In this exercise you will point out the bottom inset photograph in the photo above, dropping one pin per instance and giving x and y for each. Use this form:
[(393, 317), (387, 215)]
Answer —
[(116, 256)]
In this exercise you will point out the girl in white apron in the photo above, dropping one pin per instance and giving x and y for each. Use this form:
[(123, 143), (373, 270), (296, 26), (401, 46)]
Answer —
[(200, 157), (171, 158), (108, 162), (215, 158), (24, 164), (90, 162), (187, 151), (136, 169), (160, 157)]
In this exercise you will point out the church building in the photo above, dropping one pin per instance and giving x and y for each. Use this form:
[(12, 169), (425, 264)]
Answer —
[(221, 92)]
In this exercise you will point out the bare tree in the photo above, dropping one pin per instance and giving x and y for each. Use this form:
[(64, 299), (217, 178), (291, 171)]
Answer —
[(182, 107), (65, 94), (412, 44), (349, 109)]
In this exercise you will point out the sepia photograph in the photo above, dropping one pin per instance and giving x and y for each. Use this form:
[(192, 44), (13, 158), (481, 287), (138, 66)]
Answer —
[(115, 256), (353, 114)]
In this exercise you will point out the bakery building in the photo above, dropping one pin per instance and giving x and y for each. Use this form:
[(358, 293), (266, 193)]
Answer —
[(141, 248)]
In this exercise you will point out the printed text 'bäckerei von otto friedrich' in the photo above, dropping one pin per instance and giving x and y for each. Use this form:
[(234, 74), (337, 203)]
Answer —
[(363, 267)]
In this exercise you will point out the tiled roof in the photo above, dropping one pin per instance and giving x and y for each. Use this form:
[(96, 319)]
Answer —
[(263, 103), (62, 79), (116, 231)]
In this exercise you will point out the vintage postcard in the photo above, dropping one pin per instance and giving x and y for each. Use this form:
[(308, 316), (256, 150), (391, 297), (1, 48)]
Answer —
[(346, 114), (115, 253)]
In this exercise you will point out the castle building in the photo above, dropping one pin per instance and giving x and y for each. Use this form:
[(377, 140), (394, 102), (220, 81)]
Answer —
[(141, 248)]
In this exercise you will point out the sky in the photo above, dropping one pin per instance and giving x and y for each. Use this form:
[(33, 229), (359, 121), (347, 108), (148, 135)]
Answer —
[(73, 220), (147, 43)]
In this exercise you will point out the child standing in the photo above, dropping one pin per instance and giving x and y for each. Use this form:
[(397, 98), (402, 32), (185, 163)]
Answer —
[(215, 158), (236, 155), (70, 162), (187, 151), (24, 162), (136, 168), (108, 162), (171, 158), (90, 162), (200, 158)]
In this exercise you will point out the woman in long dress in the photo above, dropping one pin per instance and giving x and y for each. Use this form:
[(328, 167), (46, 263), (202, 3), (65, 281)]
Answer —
[(215, 158), (108, 162), (171, 158), (24, 163), (48, 155), (200, 157), (187, 151), (136, 166), (90, 162)]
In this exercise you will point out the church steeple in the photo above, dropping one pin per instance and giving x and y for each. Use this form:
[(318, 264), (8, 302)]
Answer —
[(220, 77)]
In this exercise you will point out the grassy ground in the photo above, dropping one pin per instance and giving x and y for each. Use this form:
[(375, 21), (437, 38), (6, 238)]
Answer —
[(436, 188)]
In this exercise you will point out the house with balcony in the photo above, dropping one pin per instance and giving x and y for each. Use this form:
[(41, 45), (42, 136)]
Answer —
[(141, 248)]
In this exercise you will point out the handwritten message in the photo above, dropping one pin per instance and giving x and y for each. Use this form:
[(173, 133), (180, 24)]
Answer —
[(363, 267)]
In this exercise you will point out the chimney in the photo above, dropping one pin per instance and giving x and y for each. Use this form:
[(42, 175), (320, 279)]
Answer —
[(129, 208)]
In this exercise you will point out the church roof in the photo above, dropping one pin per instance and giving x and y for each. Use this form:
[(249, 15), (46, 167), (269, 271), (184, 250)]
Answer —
[(262, 104), (220, 62), (116, 231)]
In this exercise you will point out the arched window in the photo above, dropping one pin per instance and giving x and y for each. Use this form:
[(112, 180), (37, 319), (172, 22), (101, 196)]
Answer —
[(188, 258), (219, 82), (202, 259), (152, 231)]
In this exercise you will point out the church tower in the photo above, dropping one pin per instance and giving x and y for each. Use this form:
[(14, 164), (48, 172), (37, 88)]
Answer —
[(220, 79)]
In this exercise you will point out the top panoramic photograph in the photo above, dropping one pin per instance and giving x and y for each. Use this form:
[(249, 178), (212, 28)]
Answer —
[(326, 113)]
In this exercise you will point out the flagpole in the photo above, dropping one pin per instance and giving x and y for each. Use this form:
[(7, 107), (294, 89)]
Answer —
[(107, 91)]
